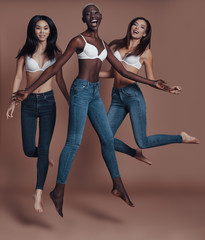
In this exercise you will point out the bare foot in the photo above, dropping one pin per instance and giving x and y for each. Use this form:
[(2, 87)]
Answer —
[(37, 201), (119, 191), (139, 156), (51, 162), (189, 139)]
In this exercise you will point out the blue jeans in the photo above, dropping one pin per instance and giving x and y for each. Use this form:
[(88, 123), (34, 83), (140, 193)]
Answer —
[(40, 106), (130, 100), (85, 100)]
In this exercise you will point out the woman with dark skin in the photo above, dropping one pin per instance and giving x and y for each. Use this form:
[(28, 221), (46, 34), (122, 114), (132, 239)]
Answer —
[(39, 52), (85, 100), (133, 51)]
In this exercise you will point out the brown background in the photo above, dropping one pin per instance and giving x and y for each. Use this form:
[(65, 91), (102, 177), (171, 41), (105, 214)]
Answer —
[(178, 50)]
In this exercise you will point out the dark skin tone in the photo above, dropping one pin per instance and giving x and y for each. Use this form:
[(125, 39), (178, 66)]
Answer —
[(88, 70)]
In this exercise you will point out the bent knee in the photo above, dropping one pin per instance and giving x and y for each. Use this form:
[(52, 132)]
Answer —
[(107, 142), (32, 152), (142, 144)]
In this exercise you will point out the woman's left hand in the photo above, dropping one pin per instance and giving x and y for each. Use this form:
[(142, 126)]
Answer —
[(175, 90)]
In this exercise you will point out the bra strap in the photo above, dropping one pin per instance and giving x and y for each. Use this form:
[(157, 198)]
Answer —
[(83, 38), (103, 44)]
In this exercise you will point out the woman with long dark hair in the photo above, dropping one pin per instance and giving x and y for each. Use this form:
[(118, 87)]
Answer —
[(85, 100), (38, 53), (134, 51)]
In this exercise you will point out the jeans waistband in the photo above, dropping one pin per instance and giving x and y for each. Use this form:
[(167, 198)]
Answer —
[(86, 83), (39, 95), (133, 85)]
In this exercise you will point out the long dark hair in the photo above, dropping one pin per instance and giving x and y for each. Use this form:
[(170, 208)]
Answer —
[(32, 41), (124, 42)]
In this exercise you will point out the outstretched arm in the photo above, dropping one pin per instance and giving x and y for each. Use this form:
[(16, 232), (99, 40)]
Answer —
[(148, 63), (51, 71), (117, 65), (61, 83)]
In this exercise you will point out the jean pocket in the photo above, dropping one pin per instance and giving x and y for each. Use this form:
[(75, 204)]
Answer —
[(78, 88)]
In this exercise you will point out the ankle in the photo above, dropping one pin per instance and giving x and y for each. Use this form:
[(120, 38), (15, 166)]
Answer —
[(38, 192), (59, 189)]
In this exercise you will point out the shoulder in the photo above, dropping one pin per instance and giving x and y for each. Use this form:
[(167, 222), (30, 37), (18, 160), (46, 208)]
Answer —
[(77, 41), (21, 60)]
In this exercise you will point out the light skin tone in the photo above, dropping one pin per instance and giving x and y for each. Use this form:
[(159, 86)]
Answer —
[(42, 32), (138, 30), (88, 70)]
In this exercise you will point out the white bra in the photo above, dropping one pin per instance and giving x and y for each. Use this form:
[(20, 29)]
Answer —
[(32, 66), (130, 60), (91, 52)]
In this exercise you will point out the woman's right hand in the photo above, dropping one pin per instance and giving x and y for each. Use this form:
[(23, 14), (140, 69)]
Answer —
[(10, 110), (161, 85)]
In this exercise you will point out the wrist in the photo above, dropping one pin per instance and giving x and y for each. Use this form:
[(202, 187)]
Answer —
[(153, 83), (12, 100)]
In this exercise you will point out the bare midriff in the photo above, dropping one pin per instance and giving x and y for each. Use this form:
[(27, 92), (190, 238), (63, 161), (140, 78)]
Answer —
[(31, 78), (120, 81)]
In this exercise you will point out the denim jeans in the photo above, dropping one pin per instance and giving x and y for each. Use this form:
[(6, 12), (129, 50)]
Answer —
[(40, 106), (85, 100), (130, 100)]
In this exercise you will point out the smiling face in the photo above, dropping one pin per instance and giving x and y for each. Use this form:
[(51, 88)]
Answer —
[(92, 17), (42, 30), (138, 29)]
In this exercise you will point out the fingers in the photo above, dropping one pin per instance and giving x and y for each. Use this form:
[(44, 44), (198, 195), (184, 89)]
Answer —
[(177, 87), (161, 84), (17, 99), (162, 81), (9, 114), (175, 90), (166, 88), (13, 99)]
